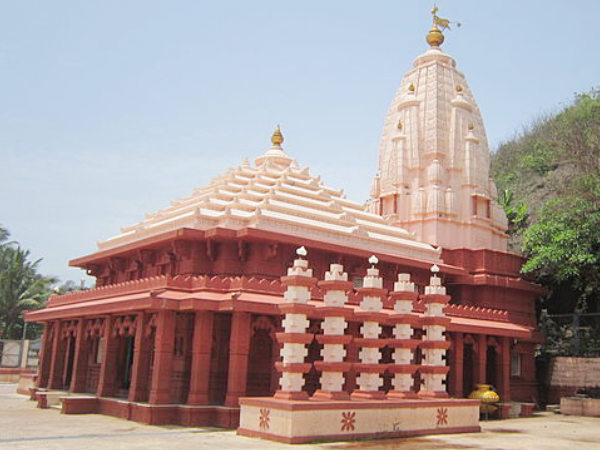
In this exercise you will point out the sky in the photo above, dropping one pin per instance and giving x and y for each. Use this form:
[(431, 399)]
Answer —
[(109, 110)]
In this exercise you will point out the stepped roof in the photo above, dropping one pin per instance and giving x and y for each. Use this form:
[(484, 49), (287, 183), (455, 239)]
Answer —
[(276, 195)]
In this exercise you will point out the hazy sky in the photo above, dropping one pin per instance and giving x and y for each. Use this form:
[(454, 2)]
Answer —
[(109, 109)]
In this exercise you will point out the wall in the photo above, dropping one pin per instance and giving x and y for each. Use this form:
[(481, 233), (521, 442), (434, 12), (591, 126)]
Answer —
[(567, 374)]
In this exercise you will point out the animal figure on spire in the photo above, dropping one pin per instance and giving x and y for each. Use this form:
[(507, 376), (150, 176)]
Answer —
[(444, 24)]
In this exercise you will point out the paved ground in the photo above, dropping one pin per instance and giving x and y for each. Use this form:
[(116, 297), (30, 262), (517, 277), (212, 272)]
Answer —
[(23, 426)]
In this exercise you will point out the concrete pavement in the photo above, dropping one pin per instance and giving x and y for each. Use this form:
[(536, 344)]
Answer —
[(23, 426)]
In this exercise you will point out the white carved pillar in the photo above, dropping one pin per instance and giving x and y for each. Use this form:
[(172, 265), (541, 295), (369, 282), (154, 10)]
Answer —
[(294, 338), (372, 294), (434, 345), (403, 320), (334, 313)]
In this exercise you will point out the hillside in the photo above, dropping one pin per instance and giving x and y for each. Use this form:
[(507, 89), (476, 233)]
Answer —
[(548, 180), (551, 158)]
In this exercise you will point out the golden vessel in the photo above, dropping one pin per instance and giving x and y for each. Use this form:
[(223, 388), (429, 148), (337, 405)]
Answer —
[(487, 397)]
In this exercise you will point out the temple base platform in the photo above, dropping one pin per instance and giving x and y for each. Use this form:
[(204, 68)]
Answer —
[(150, 414), (296, 421)]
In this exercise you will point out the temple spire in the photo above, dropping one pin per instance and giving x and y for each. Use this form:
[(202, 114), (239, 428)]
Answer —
[(433, 176)]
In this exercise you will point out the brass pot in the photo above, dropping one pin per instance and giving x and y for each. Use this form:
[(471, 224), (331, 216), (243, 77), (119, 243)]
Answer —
[(487, 397)]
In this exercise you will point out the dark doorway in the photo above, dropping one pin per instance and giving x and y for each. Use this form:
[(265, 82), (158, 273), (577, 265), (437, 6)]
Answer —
[(492, 366), (468, 369), (69, 366), (124, 365), (219, 359), (260, 360)]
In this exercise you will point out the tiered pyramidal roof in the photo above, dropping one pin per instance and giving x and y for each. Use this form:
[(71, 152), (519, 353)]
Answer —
[(276, 195)]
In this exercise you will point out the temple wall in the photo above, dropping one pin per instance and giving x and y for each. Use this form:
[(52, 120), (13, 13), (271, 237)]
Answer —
[(485, 260)]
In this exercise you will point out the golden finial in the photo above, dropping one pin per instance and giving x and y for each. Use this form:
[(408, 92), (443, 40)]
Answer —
[(435, 37), (277, 138), (411, 88), (399, 125), (458, 88)]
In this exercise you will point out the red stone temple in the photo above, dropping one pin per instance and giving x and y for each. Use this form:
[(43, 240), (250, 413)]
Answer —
[(183, 320)]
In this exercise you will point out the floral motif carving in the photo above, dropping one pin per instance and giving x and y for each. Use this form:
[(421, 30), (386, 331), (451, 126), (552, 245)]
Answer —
[(348, 421), (264, 418), (442, 416)]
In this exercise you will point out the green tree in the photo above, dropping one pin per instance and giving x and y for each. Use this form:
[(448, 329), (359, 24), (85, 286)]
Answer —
[(517, 215), (21, 287), (563, 246), (3, 235), (551, 172)]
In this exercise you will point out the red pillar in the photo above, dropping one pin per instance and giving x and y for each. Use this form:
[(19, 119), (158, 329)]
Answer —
[(505, 376), (45, 356), (239, 347), (57, 361), (80, 360), (481, 359), (138, 390), (200, 370), (160, 391), (456, 371), (106, 380)]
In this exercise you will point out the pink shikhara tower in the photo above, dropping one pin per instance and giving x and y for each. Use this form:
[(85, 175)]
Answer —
[(433, 177)]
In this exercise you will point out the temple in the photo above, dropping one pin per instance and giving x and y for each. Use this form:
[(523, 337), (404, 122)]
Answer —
[(268, 283)]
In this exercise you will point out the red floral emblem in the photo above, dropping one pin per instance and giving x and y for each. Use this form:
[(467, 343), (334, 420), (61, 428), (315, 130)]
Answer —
[(348, 420), (263, 419), (442, 416)]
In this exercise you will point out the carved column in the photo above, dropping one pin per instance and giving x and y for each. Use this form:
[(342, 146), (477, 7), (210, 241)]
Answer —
[(107, 378), (138, 389), (504, 387), (403, 320), (369, 368), (239, 348), (45, 355), (433, 369), (334, 315), (294, 338), (458, 361), (200, 369), (57, 362), (164, 341), (80, 361), (481, 359)]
